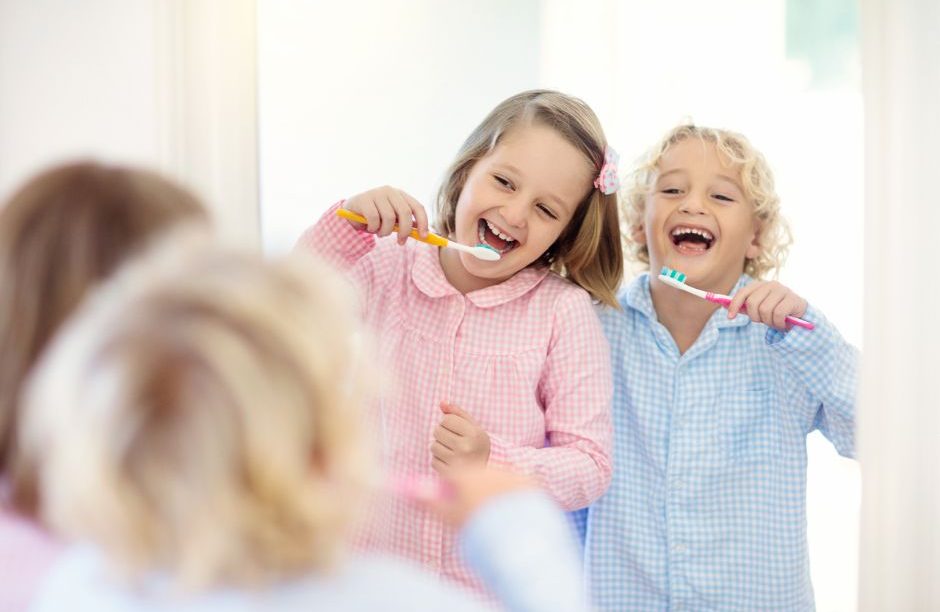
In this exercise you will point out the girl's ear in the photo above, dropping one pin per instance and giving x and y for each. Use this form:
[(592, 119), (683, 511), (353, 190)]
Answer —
[(754, 249)]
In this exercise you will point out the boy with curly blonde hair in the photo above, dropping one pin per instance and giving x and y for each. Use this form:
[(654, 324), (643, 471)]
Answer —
[(707, 507)]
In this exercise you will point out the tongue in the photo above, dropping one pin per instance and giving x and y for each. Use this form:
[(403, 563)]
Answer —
[(692, 245), (493, 240)]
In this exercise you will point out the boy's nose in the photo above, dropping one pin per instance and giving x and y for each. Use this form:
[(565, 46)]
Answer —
[(692, 204)]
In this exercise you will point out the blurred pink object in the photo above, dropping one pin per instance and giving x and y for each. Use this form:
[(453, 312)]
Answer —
[(26, 555)]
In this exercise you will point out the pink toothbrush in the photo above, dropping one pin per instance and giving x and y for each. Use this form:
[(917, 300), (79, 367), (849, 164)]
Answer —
[(677, 280)]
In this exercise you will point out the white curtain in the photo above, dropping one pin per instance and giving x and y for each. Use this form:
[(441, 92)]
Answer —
[(899, 433)]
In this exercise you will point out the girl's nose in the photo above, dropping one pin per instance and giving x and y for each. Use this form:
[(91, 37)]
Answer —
[(515, 212)]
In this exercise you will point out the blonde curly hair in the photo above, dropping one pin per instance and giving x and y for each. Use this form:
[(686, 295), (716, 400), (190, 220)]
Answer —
[(199, 417), (757, 181)]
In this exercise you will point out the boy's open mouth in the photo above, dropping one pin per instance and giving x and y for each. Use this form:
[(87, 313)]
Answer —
[(491, 235), (692, 238)]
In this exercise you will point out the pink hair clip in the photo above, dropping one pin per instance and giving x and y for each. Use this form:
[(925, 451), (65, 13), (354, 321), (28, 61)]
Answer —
[(607, 180)]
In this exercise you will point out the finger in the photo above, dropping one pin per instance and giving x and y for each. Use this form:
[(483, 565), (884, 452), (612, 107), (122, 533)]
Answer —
[(789, 305), (439, 451), (387, 214), (448, 408), (768, 307), (373, 218), (753, 303), (446, 437), (439, 466), (402, 214), (738, 299), (420, 215), (459, 425)]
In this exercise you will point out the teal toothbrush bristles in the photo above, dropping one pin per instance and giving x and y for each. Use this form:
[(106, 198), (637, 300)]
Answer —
[(486, 246), (679, 276)]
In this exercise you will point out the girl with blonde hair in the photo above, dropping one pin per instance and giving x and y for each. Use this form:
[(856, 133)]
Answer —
[(497, 362)]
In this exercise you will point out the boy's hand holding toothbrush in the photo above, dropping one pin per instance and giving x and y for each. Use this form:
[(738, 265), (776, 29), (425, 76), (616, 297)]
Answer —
[(458, 441), (768, 302), (386, 207)]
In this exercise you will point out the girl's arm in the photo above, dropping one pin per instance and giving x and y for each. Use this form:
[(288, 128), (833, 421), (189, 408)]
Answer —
[(576, 391), (826, 366), (336, 240)]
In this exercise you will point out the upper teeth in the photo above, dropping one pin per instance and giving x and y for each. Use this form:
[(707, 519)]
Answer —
[(496, 231), (693, 230)]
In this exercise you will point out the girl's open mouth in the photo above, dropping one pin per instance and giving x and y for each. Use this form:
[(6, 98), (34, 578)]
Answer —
[(491, 235)]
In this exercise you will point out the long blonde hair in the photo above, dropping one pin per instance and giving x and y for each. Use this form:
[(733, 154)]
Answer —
[(588, 251), (757, 180), (199, 417)]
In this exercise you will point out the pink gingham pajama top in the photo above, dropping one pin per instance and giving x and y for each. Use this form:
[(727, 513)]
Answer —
[(526, 358)]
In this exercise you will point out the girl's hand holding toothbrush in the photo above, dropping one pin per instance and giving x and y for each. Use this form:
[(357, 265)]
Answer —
[(768, 302), (458, 441), (386, 207)]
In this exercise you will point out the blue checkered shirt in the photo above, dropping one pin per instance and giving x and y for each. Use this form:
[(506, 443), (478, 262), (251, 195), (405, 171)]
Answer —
[(707, 508)]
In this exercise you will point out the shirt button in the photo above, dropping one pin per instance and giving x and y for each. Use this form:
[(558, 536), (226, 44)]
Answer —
[(679, 548), (678, 483)]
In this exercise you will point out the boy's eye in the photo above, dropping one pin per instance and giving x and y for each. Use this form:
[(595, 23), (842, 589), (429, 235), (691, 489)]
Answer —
[(723, 198), (547, 211)]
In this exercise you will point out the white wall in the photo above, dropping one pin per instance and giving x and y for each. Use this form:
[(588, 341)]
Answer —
[(363, 93), (76, 79), (900, 416), (168, 84)]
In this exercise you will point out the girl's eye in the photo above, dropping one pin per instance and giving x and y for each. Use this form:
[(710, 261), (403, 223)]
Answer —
[(547, 211), (502, 181), (672, 190)]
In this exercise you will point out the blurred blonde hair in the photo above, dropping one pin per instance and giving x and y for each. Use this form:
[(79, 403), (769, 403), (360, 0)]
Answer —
[(199, 417), (757, 180), (64, 231), (589, 251)]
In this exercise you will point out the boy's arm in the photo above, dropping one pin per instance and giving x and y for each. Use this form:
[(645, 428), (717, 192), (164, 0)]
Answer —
[(576, 391), (827, 367)]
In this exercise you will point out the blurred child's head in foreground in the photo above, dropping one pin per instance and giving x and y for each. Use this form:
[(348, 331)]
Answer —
[(63, 232), (199, 417)]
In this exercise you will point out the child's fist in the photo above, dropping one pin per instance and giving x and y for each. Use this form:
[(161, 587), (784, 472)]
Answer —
[(767, 302), (386, 207), (458, 441)]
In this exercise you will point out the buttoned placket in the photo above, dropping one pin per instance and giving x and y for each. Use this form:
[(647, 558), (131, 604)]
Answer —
[(456, 312)]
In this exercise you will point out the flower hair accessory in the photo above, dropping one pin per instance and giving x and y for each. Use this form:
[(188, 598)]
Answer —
[(607, 180)]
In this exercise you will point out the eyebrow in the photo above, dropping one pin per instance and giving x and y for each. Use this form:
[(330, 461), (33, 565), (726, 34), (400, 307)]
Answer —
[(722, 177)]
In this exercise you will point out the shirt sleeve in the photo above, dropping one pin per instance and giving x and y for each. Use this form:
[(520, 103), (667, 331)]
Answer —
[(336, 241), (576, 393), (826, 366), (521, 546)]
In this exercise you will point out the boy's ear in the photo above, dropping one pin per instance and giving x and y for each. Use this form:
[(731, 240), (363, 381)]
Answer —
[(638, 234), (754, 249)]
